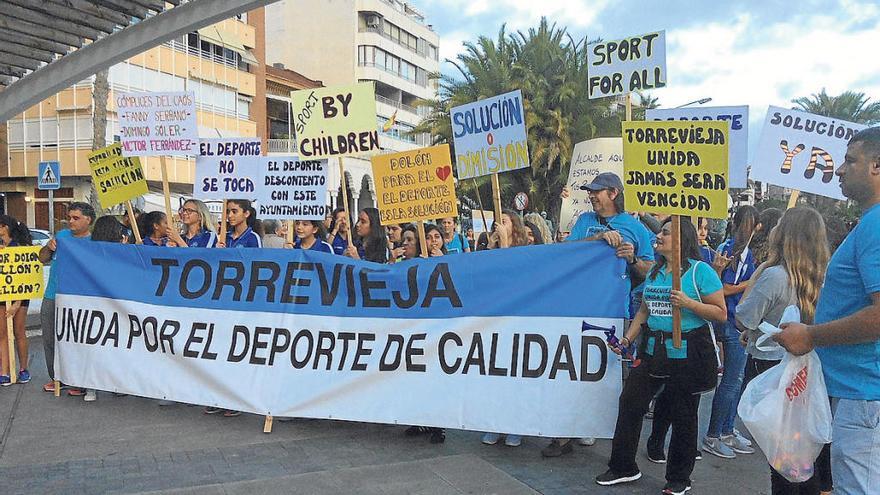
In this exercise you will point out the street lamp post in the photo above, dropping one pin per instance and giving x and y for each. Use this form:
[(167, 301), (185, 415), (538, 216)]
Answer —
[(701, 101)]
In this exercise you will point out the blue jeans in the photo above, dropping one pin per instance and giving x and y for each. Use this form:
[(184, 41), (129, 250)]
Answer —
[(855, 449), (730, 389)]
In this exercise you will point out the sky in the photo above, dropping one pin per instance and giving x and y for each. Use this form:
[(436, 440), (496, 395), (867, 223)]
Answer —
[(754, 53)]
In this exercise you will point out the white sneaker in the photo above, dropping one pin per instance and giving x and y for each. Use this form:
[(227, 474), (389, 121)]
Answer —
[(91, 395), (742, 439), (587, 441), (512, 440), (490, 438)]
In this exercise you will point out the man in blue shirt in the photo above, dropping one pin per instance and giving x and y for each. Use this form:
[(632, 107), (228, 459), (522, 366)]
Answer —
[(80, 217), (846, 331)]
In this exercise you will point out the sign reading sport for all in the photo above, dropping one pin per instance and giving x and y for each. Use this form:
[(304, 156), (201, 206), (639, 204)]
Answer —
[(801, 151), (292, 189), (415, 185), (739, 133), (22, 273), (676, 168), (117, 178), (335, 121), (153, 124), (623, 66), (436, 342), (589, 159), (490, 136), (226, 168)]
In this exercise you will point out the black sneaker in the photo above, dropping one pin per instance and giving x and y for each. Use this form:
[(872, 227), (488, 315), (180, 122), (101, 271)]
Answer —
[(609, 477), (655, 453), (699, 455), (676, 488)]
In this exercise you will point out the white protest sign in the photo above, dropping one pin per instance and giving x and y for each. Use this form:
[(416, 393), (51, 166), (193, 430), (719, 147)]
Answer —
[(490, 136), (152, 124), (739, 133), (589, 159), (801, 151), (477, 218), (292, 189), (622, 66), (225, 168)]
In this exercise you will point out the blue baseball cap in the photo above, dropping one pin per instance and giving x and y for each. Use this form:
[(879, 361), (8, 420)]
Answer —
[(605, 180)]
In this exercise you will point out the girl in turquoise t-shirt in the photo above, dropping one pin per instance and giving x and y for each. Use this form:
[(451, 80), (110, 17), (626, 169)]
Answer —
[(685, 372)]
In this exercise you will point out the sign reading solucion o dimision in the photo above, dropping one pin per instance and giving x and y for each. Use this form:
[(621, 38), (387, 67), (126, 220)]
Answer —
[(153, 124), (490, 136), (623, 66)]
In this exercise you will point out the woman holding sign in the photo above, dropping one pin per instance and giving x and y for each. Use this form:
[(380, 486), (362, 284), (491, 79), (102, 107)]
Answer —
[(685, 372), (154, 228), (14, 233), (199, 229), (338, 237)]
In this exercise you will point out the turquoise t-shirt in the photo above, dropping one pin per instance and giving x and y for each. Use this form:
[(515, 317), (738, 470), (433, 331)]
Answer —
[(53, 279), (853, 275), (699, 277)]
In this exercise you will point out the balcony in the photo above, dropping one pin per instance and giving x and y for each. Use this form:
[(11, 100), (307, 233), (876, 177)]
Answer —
[(397, 104), (287, 146), (422, 51)]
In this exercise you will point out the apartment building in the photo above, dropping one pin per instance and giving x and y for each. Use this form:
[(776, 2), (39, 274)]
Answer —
[(224, 64)]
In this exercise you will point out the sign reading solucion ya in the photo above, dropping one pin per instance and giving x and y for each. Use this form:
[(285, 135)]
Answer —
[(490, 136), (117, 178), (676, 168), (415, 185), (22, 273), (335, 121), (226, 168), (623, 66), (153, 124), (801, 151), (588, 159), (738, 117), (292, 189)]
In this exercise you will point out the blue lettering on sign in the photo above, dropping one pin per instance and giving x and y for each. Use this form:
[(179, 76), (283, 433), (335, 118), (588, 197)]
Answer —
[(493, 116)]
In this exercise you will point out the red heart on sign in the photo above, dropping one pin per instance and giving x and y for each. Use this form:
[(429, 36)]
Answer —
[(443, 172)]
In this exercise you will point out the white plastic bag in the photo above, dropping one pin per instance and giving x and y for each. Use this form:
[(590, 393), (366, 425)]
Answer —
[(787, 411)]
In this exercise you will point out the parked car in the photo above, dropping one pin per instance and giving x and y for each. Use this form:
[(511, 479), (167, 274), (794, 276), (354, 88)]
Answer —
[(41, 237)]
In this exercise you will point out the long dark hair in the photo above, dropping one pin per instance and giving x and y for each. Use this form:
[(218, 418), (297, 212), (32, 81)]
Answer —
[(251, 219), (320, 232), (147, 221), (690, 247), (375, 243), (108, 229), (430, 227), (18, 232), (745, 220)]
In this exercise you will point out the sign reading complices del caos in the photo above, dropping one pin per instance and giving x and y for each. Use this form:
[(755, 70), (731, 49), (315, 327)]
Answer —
[(676, 168), (490, 136), (152, 124)]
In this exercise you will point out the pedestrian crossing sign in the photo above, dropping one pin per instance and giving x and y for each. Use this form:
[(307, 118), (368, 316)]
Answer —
[(49, 176)]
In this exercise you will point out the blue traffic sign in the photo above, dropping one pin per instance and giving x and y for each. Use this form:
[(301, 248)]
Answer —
[(49, 176)]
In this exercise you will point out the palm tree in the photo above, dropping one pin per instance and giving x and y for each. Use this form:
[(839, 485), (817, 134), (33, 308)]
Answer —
[(849, 105)]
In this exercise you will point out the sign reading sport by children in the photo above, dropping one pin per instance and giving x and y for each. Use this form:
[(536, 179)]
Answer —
[(801, 151), (623, 66), (676, 168), (154, 124), (227, 168), (335, 121), (415, 185), (117, 178), (739, 133), (490, 136)]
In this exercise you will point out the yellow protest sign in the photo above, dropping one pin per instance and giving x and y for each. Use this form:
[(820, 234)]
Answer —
[(22, 273), (415, 185), (676, 168), (117, 178), (335, 121)]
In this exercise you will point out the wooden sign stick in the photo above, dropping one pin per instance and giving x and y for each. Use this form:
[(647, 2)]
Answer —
[(793, 199), (10, 341), (223, 226), (423, 240), (345, 202), (496, 197), (482, 209), (132, 220), (290, 231), (629, 108), (166, 188), (675, 266), (267, 424)]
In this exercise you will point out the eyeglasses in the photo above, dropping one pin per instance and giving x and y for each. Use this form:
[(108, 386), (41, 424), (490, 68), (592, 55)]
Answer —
[(187, 210)]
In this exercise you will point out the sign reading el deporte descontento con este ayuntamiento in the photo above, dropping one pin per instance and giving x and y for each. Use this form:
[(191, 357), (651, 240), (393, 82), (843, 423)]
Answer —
[(623, 66), (335, 121), (490, 136), (292, 189)]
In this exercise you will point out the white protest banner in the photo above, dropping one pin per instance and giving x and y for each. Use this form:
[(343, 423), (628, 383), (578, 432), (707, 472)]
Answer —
[(436, 342), (292, 189), (226, 168), (739, 133), (588, 159), (622, 66), (153, 124), (801, 151), (490, 136)]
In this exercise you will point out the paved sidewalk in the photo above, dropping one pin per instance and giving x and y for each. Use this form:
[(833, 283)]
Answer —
[(132, 445)]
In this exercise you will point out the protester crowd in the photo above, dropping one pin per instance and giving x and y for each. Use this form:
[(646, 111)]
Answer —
[(767, 261)]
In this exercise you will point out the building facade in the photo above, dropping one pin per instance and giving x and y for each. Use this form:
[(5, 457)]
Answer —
[(224, 64)]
